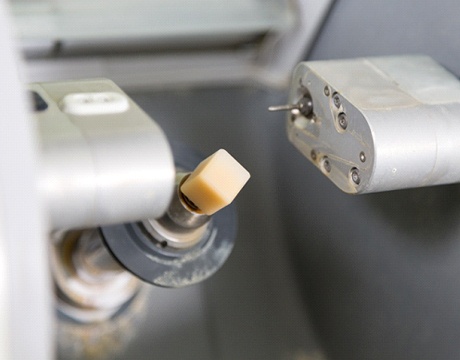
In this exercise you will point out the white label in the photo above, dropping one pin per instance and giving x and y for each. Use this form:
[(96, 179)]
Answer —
[(96, 103)]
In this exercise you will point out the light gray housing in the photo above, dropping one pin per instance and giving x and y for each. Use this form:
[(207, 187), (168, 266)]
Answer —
[(104, 161), (402, 122)]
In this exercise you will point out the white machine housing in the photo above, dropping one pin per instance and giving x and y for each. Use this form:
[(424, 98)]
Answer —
[(147, 44)]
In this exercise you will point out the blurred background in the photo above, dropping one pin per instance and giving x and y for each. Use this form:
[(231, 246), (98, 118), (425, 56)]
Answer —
[(315, 274)]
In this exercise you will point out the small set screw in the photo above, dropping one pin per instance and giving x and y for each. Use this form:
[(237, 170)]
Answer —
[(362, 156), (336, 100), (343, 122), (326, 164), (327, 92), (355, 176)]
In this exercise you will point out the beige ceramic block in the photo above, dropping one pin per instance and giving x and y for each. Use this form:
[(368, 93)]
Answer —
[(215, 182)]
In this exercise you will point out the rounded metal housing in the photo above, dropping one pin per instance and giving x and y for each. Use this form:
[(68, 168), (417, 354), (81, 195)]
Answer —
[(391, 122), (102, 164)]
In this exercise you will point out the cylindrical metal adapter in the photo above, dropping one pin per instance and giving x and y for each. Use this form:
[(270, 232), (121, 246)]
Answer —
[(104, 161)]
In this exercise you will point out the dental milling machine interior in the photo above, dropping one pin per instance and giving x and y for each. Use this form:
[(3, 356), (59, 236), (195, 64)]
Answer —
[(122, 206)]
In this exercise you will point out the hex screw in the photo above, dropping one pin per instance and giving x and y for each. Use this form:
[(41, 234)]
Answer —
[(305, 106), (343, 122), (326, 164), (337, 101), (362, 156), (327, 92), (355, 176)]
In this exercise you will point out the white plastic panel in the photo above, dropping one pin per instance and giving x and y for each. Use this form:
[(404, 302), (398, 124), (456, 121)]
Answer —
[(156, 19), (158, 43), (25, 282)]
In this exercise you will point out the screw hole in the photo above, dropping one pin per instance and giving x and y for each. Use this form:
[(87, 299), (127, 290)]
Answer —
[(313, 155), (326, 164), (336, 100)]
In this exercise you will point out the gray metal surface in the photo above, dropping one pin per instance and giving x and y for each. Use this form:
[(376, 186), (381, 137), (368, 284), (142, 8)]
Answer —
[(180, 227)]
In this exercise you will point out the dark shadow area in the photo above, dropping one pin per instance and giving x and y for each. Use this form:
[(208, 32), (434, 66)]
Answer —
[(428, 216)]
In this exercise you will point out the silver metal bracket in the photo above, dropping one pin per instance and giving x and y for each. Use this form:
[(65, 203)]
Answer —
[(377, 124)]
